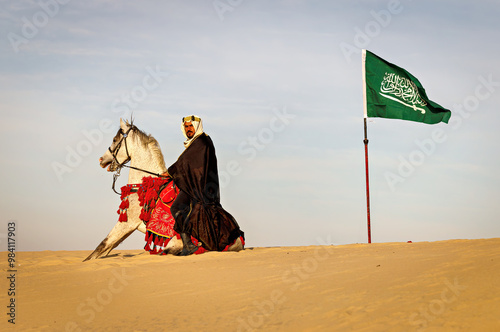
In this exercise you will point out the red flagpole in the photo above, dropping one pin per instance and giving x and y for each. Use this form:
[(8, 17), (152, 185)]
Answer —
[(367, 187), (365, 106)]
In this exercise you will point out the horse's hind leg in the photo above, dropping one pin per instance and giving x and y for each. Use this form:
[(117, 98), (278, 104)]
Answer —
[(119, 233), (236, 246)]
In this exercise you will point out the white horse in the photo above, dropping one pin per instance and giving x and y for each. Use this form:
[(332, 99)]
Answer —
[(144, 154)]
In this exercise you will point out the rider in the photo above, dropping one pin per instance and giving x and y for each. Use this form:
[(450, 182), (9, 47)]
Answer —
[(197, 210)]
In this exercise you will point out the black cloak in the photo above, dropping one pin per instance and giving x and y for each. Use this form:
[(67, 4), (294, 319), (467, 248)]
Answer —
[(195, 173)]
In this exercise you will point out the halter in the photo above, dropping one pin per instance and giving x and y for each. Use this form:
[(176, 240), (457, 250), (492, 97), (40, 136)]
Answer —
[(114, 153)]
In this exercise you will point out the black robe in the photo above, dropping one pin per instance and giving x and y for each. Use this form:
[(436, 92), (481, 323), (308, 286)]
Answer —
[(195, 173)]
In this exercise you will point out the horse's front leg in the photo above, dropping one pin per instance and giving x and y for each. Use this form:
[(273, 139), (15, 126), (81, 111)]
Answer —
[(120, 231)]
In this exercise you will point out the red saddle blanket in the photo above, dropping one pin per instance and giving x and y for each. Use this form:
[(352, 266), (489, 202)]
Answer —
[(161, 221), (156, 196)]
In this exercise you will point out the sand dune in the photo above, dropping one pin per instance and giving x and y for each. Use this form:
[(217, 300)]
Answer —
[(429, 286)]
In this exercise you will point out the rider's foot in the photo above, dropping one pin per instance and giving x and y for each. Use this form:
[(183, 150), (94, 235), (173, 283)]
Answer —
[(188, 247), (188, 250)]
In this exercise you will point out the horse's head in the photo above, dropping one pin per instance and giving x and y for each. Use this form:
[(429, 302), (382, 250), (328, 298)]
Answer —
[(118, 152)]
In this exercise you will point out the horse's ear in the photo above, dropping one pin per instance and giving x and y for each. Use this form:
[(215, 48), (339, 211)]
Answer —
[(123, 125)]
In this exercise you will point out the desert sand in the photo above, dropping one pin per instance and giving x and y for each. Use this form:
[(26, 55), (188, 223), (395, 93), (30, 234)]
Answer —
[(449, 285)]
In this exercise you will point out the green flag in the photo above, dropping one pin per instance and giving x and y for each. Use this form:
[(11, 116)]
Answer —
[(392, 92)]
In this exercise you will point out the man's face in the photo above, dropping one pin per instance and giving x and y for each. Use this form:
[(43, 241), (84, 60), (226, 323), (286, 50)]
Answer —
[(189, 129)]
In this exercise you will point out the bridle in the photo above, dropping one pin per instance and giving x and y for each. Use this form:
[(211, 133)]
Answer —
[(114, 153)]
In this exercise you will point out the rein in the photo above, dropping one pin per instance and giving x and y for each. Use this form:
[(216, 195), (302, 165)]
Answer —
[(114, 152)]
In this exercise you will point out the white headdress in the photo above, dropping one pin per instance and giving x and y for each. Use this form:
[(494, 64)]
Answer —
[(198, 127)]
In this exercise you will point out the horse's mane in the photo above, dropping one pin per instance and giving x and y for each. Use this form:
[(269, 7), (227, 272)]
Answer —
[(150, 142)]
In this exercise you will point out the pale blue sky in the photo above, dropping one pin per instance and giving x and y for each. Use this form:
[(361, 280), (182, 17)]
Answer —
[(65, 67)]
